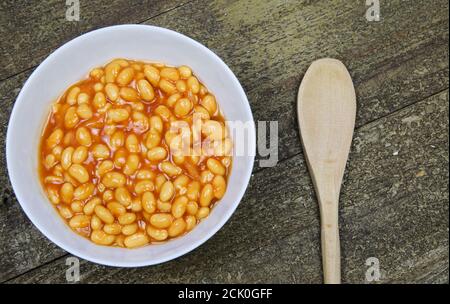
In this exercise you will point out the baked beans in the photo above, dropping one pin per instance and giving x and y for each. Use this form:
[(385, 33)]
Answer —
[(114, 160)]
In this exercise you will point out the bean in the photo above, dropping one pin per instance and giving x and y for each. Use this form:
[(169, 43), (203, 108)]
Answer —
[(84, 111), (153, 139), (78, 172), (83, 191), (193, 84), (209, 103), (99, 100), (136, 240), (98, 87), (71, 98), (173, 99), (83, 98), (145, 174), (114, 179), (206, 177), (159, 181), (127, 218), (191, 221), (113, 229), (143, 186), (163, 112), (104, 214), (104, 166), (156, 154), (117, 139), (69, 138), (79, 221), (130, 229), (213, 130), (178, 227), (57, 151), (88, 208), (55, 138), (116, 208), (76, 207), (67, 192), (215, 166), (118, 115), (132, 144), (140, 121), (71, 118), (101, 238), (120, 157), (148, 202), (50, 161), (129, 94), (79, 155), (145, 90), (156, 124), (193, 190), (185, 71), (202, 112), (132, 164), (170, 169), (100, 151), (152, 74), (192, 208), (96, 223), (112, 91), (219, 185), (96, 73), (181, 86), (51, 179), (136, 205), (123, 196), (167, 87), (163, 206), (167, 191), (206, 195), (108, 195), (111, 71), (170, 73), (161, 220), (83, 136), (202, 212), (125, 76), (53, 196), (182, 107), (65, 212), (179, 206), (157, 234)]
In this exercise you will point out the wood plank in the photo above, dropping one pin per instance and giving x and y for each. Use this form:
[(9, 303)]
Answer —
[(31, 30), (276, 44), (394, 206), (270, 44)]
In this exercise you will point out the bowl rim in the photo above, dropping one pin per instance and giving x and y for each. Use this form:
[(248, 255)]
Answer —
[(14, 180)]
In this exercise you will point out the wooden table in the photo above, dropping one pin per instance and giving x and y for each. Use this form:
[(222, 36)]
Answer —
[(394, 203)]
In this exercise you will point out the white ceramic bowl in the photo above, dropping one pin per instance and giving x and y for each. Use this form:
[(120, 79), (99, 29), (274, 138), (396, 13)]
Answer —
[(70, 63)]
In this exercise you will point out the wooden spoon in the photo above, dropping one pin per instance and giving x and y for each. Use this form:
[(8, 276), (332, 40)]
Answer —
[(326, 106)]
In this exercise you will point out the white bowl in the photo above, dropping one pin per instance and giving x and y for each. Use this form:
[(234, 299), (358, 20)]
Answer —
[(70, 63)]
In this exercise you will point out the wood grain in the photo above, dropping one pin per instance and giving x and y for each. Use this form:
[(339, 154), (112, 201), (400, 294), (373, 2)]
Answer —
[(389, 210), (31, 30), (395, 63)]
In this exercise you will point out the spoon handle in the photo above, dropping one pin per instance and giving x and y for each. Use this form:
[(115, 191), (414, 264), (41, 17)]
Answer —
[(331, 252)]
